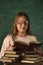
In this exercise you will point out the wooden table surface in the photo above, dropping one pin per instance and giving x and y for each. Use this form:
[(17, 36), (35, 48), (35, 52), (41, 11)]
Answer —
[(18, 63)]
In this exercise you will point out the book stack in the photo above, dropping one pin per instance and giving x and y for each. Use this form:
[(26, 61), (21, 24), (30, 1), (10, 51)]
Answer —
[(23, 53), (31, 58), (10, 56)]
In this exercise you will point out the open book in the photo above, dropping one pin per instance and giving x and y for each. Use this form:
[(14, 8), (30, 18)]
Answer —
[(22, 46)]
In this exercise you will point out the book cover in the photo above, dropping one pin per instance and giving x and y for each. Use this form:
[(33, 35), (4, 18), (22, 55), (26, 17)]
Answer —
[(12, 56), (31, 55), (5, 60), (22, 46), (9, 58), (10, 52), (30, 61)]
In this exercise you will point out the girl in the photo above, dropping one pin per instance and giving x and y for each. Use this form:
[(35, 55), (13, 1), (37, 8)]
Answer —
[(20, 32)]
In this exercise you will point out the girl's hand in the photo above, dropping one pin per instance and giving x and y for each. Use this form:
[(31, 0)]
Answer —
[(11, 48), (39, 51)]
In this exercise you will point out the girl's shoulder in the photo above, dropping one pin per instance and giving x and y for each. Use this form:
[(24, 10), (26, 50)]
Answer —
[(9, 36)]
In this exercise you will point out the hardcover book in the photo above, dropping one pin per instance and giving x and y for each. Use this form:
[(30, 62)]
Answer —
[(10, 52), (30, 61), (22, 46)]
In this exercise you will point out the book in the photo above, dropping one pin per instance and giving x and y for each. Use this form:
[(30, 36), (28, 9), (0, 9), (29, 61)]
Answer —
[(22, 46), (10, 52), (35, 44), (13, 56), (31, 55), (31, 58), (5, 60), (30, 61), (9, 58)]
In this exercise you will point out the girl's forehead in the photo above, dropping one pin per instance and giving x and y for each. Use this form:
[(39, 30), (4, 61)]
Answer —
[(21, 18)]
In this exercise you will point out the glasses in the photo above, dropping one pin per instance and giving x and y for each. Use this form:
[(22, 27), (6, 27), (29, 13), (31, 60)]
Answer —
[(23, 22)]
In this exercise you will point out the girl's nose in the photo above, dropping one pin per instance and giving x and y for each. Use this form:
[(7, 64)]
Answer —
[(23, 25)]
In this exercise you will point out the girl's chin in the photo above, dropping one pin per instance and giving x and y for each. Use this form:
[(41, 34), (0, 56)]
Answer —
[(22, 31)]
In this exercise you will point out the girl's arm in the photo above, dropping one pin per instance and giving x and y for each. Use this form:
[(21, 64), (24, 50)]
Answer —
[(6, 45), (38, 51)]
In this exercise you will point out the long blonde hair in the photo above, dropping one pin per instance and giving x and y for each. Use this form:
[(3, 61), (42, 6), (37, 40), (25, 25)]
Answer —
[(14, 31)]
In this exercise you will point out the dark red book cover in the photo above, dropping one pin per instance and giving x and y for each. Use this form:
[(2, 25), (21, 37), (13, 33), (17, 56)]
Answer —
[(22, 46)]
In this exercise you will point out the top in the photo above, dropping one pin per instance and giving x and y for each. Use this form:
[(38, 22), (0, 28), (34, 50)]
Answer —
[(9, 41)]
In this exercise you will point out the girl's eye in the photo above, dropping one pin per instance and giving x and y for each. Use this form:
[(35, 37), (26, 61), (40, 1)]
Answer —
[(25, 23)]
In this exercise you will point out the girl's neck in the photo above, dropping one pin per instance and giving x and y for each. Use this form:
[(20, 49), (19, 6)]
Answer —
[(21, 34)]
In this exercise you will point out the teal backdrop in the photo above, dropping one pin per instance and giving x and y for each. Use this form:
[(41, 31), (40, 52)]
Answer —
[(9, 9)]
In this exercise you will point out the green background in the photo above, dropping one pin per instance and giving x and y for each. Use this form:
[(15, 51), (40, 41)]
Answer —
[(9, 9)]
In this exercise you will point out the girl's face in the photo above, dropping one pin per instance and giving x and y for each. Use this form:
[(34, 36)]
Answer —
[(22, 24)]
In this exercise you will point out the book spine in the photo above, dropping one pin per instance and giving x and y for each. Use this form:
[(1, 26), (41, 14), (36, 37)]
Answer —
[(10, 52), (6, 55), (5, 60), (8, 58)]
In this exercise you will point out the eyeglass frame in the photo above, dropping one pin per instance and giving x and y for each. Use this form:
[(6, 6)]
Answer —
[(23, 22)]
